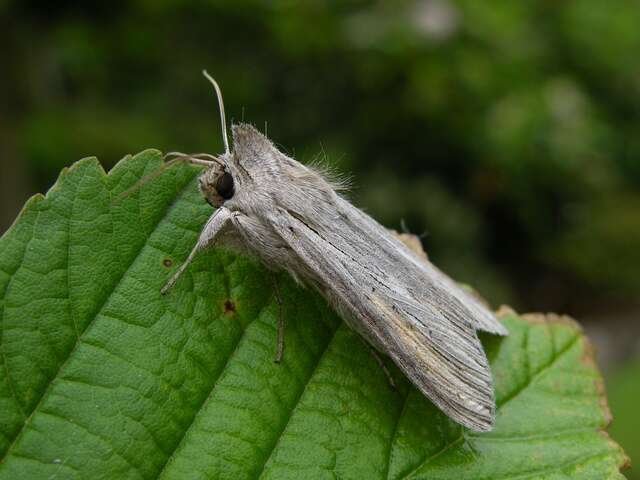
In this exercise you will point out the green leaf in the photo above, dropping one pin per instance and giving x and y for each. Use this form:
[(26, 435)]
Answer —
[(102, 377), (624, 391)]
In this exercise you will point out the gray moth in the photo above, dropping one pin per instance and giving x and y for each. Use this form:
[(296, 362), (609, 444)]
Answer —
[(293, 218)]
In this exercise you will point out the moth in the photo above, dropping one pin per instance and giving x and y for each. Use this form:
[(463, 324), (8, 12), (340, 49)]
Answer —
[(293, 218)]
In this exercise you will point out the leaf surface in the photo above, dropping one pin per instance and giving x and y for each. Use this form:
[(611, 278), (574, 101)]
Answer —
[(102, 377)]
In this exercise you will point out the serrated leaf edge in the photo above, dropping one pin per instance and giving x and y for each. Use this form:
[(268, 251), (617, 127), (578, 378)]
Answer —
[(547, 318), (33, 202)]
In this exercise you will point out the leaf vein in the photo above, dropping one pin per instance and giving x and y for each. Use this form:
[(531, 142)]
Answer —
[(94, 316), (206, 399), (436, 455), (519, 390), (297, 403), (99, 437), (2, 327), (395, 433), (542, 471), (68, 269), (543, 369)]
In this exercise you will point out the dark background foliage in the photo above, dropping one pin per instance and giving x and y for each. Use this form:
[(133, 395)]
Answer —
[(507, 132)]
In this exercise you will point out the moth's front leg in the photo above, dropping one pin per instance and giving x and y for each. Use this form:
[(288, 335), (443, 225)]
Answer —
[(214, 225)]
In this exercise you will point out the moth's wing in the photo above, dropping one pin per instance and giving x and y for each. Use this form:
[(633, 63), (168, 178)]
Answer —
[(441, 355), (256, 155), (423, 280)]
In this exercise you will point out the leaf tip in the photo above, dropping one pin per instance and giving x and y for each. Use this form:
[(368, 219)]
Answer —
[(148, 154), (91, 162)]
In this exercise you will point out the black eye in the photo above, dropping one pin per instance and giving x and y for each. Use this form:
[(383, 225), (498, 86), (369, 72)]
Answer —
[(224, 186)]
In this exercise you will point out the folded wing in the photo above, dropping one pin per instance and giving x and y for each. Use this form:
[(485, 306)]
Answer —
[(406, 308)]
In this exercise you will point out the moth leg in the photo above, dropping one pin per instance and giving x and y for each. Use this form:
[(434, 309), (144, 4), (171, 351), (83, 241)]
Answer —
[(280, 345), (384, 368), (216, 222)]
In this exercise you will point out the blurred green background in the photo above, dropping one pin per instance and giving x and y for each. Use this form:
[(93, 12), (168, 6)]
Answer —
[(507, 132)]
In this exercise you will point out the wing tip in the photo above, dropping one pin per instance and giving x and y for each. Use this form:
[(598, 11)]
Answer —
[(479, 417), (499, 329), (480, 424), (475, 411)]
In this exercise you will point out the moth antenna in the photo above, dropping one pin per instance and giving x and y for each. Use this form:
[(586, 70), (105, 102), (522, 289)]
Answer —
[(178, 157), (223, 121), (205, 159)]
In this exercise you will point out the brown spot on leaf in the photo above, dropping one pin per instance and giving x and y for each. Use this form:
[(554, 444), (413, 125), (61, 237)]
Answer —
[(167, 262), (229, 307)]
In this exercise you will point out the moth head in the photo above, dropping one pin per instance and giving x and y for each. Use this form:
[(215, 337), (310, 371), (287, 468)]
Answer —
[(230, 169), (217, 185)]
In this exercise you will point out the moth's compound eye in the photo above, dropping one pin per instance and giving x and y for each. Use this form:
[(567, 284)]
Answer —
[(224, 186)]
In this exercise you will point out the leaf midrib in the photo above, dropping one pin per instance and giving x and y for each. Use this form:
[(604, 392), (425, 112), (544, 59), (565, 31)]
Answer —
[(297, 402), (563, 351), (205, 400)]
